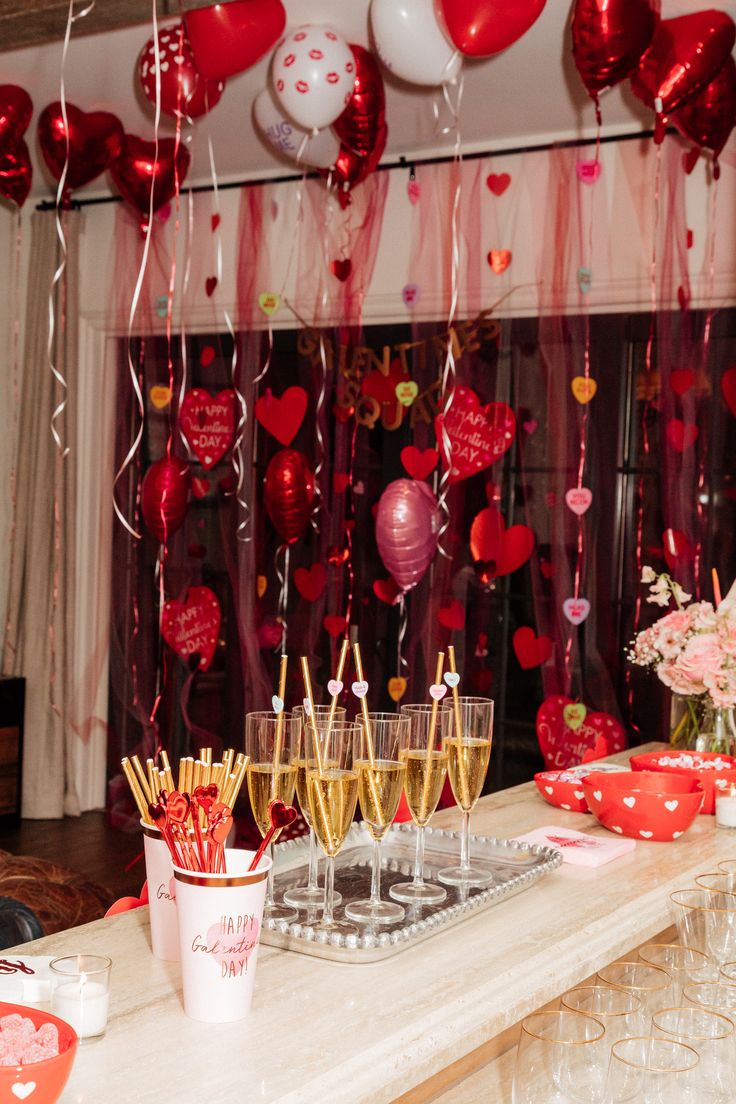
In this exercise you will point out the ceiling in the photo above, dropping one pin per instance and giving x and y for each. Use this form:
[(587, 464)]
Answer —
[(529, 94)]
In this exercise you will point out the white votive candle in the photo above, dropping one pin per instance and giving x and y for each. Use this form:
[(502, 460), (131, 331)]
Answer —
[(83, 1004), (726, 809)]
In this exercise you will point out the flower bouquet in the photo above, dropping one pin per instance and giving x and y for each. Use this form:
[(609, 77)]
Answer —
[(692, 649)]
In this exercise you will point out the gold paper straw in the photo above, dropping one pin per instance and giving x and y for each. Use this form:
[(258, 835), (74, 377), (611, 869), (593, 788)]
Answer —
[(188, 765), (136, 790), (377, 803), (338, 678), (142, 778), (310, 698), (278, 742), (227, 760), (152, 777), (196, 775), (205, 754), (168, 776), (462, 772), (432, 730)]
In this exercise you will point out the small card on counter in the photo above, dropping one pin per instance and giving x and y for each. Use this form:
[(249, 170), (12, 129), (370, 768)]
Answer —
[(577, 847), (25, 978)]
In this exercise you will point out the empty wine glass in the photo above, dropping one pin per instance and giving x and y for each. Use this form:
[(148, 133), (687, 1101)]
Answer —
[(652, 1071), (426, 769), (271, 742), (561, 1059), (310, 895), (710, 1034), (469, 753), (382, 765)]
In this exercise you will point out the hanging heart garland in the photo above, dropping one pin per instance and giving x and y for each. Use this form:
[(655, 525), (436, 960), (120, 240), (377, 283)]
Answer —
[(282, 416), (208, 423)]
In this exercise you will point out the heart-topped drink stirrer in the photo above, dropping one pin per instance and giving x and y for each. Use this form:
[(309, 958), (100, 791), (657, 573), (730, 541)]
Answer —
[(377, 804), (203, 798), (178, 808), (338, 682), (280, 816), (219, 824), (462, 766), (432, 730), (158, 817)]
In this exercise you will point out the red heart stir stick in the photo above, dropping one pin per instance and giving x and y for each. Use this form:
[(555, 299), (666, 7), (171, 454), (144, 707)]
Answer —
[(281, 816)]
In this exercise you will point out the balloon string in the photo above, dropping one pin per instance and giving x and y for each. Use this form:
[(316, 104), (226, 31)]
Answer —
[(349, 528), (706, 349), (283, 577), (172, 273), (10, 647), (403, 625), (188, 250), (137, 294)]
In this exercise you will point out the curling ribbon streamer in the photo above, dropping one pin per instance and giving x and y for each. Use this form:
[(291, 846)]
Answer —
[(137, 294), (13, 476), (704, 363), (283, 577), (403, 625)]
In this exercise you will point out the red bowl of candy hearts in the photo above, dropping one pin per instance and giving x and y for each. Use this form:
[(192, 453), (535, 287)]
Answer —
[(716, 772), (37, 1052), (645, 805), (564, 789)]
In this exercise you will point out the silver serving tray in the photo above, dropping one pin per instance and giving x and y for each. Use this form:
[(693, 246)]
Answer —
[(515, 866)]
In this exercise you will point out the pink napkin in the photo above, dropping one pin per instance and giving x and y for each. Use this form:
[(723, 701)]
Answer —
[(577, 847)]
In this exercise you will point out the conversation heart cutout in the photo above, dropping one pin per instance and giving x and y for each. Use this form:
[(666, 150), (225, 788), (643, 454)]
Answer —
[(277, 704), (410, 293), (588, 171), (583, 389), (574, 715), (585, 279), (396, 688), (231, 949), (406, 392), (452, 678), (360, 688), (576, 610), (334, 687), (437, 691), (579, 499), (269, 302), (160, 396), (307, 706), (498, 183), (261, 585)]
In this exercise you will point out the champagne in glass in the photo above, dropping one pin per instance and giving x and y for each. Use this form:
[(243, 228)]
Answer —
[(272, 743), (426, 768), (382, 743), (332, 794), (469, 753), (309, 896)]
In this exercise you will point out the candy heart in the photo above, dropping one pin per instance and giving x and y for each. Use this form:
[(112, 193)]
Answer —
[(277, 704), (334, 687), (437, 691), (406, 392), (645, 835), (531, 650), (681, 435), (192, 627), (671, 805), (576, 610), (585, 279), (578, 499), (160, 396), (588, 171), (282, 416), (452, 616), (630, 802), (307, 707), (341, 269), (311, 582), (452, 678), (681, 380), (499, 260), (396, 688), (413, 190), (574, 715), (498, 183), (410, 294), (360, 689), (208, 423), (598, 795), (23, 1089), (281, 815), (269, 302), (419, 463), (478, 435), (583, 389)]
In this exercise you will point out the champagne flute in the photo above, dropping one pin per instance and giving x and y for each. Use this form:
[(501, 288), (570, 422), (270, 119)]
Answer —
[(382, 764), (310, 895), (469, 753), (271, 742), (426, 769), (332, 794)]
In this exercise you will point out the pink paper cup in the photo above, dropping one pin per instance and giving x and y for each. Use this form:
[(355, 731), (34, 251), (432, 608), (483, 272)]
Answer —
[(161, 895), (219, 930)]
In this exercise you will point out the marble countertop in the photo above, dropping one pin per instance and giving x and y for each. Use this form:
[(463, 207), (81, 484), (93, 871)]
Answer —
[(332, 1033)]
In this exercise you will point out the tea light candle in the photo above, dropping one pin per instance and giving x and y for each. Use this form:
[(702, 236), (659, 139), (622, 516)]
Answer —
[(83, 1004), (726, 809)]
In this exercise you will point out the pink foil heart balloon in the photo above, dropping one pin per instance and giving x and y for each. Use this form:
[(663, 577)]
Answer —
[(407, 530)]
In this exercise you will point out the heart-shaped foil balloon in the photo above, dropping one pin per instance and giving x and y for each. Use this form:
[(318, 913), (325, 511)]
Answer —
[(95, 139)]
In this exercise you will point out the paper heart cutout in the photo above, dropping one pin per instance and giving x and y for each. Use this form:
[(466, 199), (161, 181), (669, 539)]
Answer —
[(583, 389), (452, 678), (547, 569), (578, 499), (437, 691), (676, 548), (419, 463), (282, 416), (681, 435), (681, 380), (728, 389), (499, 260), (588, 172), (690, 239), (232, 950), (530, 426), (576, 610), (160, 396), (491, 543), (209, 286), (360, 688), (334, 624), (334, 687), (406, 391), (341, 269), (387, 590), (23, 1089), (277, 704), (452, 616), (343, 413), (683, 298), (498, 183), (478, 435), (630, 802), (191, 627), (207, 356), (414, 191), (200, 486), (531, 650), (208, 423), (340, 482), (574, 715), (598, 736), (311, 582), (215, 222), (410, 293), (269, 302), (396, 688)]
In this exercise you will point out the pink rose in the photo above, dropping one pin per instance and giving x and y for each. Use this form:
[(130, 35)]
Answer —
[(701, 655), (670, 632)]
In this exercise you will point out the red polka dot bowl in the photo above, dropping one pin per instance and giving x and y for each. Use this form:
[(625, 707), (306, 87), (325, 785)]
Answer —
[(717, 772), (644, 805), (38, 1082), (564, 788)]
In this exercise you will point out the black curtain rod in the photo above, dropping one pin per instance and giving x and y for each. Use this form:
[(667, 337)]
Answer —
[(385, 166)]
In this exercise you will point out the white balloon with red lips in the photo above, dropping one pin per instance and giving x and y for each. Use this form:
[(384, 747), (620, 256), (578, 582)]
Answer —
[(313, 74)]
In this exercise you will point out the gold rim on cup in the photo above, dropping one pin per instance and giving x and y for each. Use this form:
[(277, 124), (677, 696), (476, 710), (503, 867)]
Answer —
[(655, 1069), (727, 1024), (677, 948), (576, 1017), (637, 988), (602, 989), (701, 908)]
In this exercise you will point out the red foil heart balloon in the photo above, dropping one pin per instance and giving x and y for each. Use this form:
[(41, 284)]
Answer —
[(138, 170), (16, 109), (362, 126), (289, 493), (16, 174), (685, 54), (228, 38), (608, 40), (191, 627), (95, 140), (184, 91), (708, 117), (165, 496)]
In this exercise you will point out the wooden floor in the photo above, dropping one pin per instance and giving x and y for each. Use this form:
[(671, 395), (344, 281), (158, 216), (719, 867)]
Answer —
[(87, 844)]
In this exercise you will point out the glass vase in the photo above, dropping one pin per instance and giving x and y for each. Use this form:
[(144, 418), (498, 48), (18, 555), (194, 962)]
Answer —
[(697, 725)]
